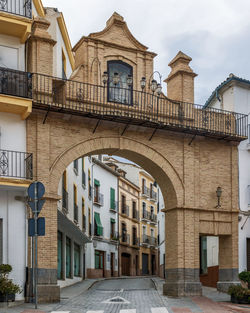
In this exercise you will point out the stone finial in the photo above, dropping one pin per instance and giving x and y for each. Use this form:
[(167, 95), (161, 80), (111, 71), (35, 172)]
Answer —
[(114, 17), (180, 81)]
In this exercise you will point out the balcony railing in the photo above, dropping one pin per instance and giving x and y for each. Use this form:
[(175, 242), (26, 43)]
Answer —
[(65, 199), (146, 215), (17, 7), (114, 206), (145, 191), (153, 195), (125, 209), (16, 164), (144, 109), (15, 83), (135, 241), (114, 236), (135, 214), (125, 238), (153, 217), (149, 240), (99, 199)]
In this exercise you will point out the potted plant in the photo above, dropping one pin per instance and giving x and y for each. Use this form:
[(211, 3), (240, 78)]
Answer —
[(8, 289), (245, 278), (239, 294)]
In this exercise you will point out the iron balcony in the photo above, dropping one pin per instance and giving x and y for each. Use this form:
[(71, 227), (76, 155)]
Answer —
[(125, 209), (17, 7), (16, 164), (153, 195), (125, 238), (114, 236), (143, 109), (135, 214), (99, 199), (114, 206), (149, 240)]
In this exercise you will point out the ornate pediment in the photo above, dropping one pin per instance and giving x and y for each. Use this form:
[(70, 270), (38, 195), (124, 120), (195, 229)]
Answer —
[(117, 32)]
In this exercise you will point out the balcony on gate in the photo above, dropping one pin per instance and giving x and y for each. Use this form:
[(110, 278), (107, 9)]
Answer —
[(98, 198), (114, 236), (65, 199), (125, 238), (16, 164), (145, 109), (124, 209)]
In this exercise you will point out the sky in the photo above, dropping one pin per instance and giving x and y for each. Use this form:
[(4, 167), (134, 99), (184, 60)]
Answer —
[(214, 33)]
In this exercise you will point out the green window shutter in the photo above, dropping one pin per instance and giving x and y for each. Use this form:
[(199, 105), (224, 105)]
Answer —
[(112, 220), (97, 257), (96, 182), (112, 198), (99, 224)]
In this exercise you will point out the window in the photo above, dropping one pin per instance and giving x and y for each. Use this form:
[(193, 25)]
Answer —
[(75, 166), (59, 255), (64, 192), (98, 225), (89, 218), (75, 204), (76, 260), (203, 255), (124, 232), (152, 233), (9, 57), (89, 184), (119, 86), (112, 199), (98, 259), (64, 76), (144, 230), (83, 215), (68, 257), (134, 210), (112, 228), (83, 174), (134, 233), (144, 215), (96, 190), (123, 204)]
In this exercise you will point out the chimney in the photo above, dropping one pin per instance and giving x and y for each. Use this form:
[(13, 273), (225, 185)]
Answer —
[(112, 165), (180, 81), (122, 172)]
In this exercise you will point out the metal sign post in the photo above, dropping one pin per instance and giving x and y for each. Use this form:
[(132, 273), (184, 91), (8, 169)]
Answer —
[(35, 191)]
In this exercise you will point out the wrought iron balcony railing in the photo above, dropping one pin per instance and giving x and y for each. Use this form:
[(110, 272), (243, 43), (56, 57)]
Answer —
[(125, 209), (114, 236), (16, 164), (17, 7), (75, 212), (149, 240), (143, 109), (65, 200), (99, 199), (125, 238), (15, 83), (135, 241), (135, 214), (153, 195), (153, 218), (146, 215), (145, 191), (114, 206)]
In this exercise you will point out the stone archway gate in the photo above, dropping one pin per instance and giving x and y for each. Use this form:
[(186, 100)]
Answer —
[(190, 151)]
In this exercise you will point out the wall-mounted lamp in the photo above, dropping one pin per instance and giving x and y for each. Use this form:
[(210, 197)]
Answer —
[(105, 78), (218, 194), (143, 83)]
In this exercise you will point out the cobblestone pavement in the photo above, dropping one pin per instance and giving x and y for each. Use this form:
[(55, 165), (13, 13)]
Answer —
[(137, 295)]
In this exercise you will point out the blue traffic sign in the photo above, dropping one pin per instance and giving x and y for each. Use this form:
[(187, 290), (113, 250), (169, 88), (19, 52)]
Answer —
[(40, 190), (40, 227), (40, 204)]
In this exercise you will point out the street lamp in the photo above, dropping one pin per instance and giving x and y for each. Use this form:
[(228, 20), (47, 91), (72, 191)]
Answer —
[(129, 80), (105, 78), (143, 83), (116, 78)]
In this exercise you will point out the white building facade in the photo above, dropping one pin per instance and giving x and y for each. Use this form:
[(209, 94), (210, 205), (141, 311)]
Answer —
[(234, 95), (16, 19)]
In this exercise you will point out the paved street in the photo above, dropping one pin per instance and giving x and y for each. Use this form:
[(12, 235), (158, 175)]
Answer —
[(132, 295)]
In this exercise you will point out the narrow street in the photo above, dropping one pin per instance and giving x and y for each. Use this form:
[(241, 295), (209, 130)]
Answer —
[(132, 295)]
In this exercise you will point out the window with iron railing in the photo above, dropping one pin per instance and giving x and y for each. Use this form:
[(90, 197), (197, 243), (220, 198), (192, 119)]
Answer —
[(75, 166), (17, 7)]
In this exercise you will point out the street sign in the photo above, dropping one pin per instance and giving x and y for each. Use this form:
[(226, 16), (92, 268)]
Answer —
[(40, 204), (40, 227), (40, 190)]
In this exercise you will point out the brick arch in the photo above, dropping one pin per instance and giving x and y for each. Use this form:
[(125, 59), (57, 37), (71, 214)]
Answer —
[(144, 155)]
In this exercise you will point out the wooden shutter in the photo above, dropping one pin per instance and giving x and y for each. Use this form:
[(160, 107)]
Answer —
[(112, 198)]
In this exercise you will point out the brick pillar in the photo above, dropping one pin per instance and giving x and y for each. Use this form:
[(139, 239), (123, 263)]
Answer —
[(228, 258), (40, 48), (180, 81), (182, 253)]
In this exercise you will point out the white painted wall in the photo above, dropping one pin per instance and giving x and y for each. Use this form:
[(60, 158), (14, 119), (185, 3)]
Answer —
[(13, 214), (13, 132), (12, 53), (55, 32), (237, 98)]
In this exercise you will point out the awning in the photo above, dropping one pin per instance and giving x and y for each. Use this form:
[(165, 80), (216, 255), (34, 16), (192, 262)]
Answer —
[(67, 227), (98, 224), (96, 182), (112, 220)]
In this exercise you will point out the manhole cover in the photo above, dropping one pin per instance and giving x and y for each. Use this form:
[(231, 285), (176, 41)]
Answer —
[(116, 300)]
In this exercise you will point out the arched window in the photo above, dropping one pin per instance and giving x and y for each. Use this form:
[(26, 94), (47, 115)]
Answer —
[(120, 82)]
